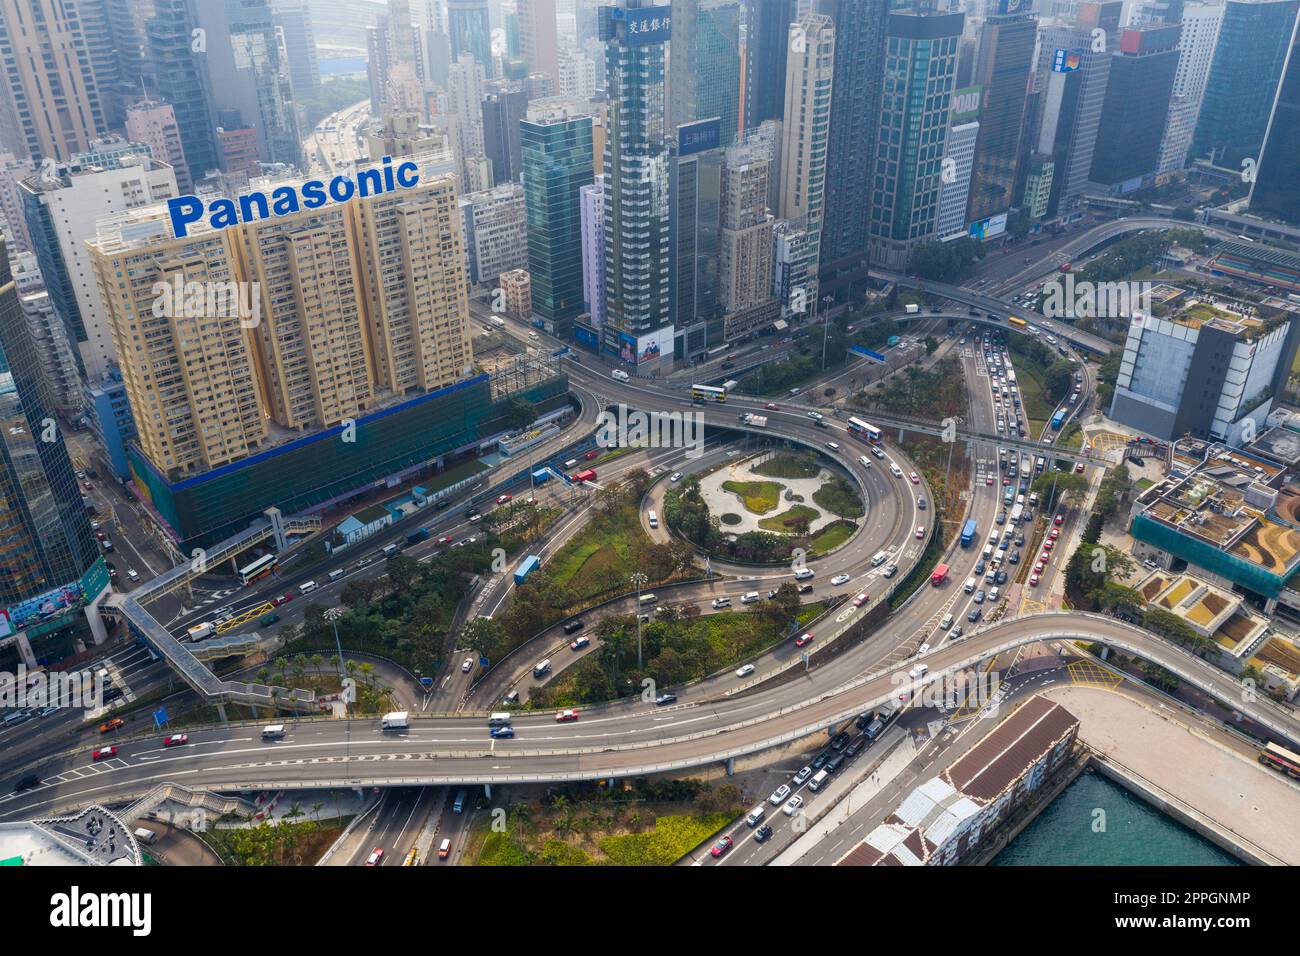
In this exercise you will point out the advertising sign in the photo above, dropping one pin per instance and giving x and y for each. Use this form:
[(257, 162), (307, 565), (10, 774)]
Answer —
[(697, 137), (989, 228), (1007, 7), (1066, 61), (645, 348), (647, 25), (966, 104)]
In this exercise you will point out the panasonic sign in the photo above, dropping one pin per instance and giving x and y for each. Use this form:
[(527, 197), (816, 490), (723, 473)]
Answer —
[(287, 199)]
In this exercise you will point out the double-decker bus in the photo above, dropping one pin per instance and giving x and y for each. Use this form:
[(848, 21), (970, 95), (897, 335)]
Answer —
[(1279, 758), (1017, 322), (864, 430), (708, 393), (260, 568)]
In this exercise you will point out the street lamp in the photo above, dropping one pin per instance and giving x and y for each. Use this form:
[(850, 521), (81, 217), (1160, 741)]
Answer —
[(332, 614), (638, 578)]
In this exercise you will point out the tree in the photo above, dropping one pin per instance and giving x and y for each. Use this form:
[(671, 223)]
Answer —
[(1058, 380), (931, 344), (402, 570), (946, 261), (1065, 482)]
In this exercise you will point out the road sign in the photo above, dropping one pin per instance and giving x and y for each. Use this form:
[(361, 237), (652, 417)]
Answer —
[(426, 681), (160, 716), (482, 662)]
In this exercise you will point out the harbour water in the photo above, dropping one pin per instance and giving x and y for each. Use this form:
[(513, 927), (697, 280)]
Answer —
[(1134, 834)]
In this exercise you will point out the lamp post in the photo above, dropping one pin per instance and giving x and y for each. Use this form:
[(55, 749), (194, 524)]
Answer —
[(332, 614), (826, 326), (638, 578)]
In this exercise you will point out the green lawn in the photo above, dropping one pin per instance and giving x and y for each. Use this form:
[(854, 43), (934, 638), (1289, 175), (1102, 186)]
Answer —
[(602, 550), (1034, 405), (759, 497), (671, 839), (831, 537), (789, 466), (778, 523), (839, 497)]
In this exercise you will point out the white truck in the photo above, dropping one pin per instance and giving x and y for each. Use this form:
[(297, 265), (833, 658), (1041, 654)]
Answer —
[(397, 720), (499, 322), (619, 375), (757, 421), (912, 309), (201, 632)]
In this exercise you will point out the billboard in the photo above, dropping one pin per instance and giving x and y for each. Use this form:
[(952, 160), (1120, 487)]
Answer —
[(1066, 61), (966, 104), (699, 136), (989, 228), (645, 348), (1007, 7), (645, 26), (39, 608)]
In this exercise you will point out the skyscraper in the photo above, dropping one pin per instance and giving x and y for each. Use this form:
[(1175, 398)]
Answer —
[(767, 37), (45, 538), (538, 44), (1276, 190), (557, 164), (593, 253), (638, 325), (855, 106), (1133, 113), (1196, 41), (504, 108), (153, 123), (1072, 73), (1003, 68), (179, 72), (746, 241), (704, 64), (1253, 42), (471, 31), (49, 104), (920, 73), (293, 19)]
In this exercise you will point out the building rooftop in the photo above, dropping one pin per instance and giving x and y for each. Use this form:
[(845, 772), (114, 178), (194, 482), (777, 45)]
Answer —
[(92, 837)]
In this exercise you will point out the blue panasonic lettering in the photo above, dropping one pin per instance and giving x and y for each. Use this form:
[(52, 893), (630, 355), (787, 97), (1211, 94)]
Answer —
[(287, 199), (415, 178), (313, 194), (343, 184), (184, 210)]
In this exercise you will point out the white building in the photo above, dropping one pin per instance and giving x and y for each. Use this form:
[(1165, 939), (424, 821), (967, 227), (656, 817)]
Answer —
[(494, 223), (960, 148), (1196, 44), (70, 199), (593, 249)]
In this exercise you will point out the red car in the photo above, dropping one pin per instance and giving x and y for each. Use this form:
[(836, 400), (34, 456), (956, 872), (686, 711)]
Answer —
[(100, 536), (1049, 544), (722, 846), (1058, 520), (591, 454), (916, 480), (1078, 468), (1045, 557), (989, 480), (772, 407), (445, 539), (376, 856), (861, 599), (502, 499), (1033, 580), (282, 599), (175, 740), (1056, 533), (803, 639), (113, 724), (1005, 482), (103, 753), (565, 716)]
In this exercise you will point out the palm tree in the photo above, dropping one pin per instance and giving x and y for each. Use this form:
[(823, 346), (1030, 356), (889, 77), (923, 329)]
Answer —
[(316, 661)]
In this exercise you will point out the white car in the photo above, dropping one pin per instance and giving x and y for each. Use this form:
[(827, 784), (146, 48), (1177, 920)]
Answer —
[(792, 805), (802, 776), (675, 476), (840, 579), (468, 665), (779, 794), (745, 671), (864, 461), (833, 446), (131, 575)]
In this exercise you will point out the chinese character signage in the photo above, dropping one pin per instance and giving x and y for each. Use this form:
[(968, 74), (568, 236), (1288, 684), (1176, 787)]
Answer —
[(647, 25), (1065, 61), (697, 137)]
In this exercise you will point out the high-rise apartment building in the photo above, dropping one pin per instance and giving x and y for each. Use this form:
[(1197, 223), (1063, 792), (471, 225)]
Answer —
[(1134, 111), (1276, 190), (954, 196), (637, 319), (153, 122), (855, 105), (45, 538), (495, 226), (1253, 41), (1003, 69), (810, 66), (578, 73), (467, 85), (12, 221), (557, 164), (62, 205), (745, 264), (920, 76), (49, 104)]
